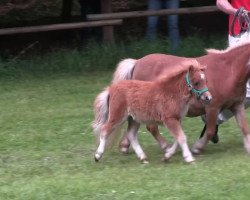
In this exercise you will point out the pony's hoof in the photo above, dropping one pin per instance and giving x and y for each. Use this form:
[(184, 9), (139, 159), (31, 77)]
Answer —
[(190, 159), (215, 138), (196, 151), (96, 160), (168, 155), (164, 159), (97, 157), (124, 150), (144, 161)]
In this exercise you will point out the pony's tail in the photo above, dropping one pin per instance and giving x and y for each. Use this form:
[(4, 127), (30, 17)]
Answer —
[(124, 70), (101, 109)]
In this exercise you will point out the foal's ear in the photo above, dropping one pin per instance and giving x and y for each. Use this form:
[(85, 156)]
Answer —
[(191, 68), (197, 67)]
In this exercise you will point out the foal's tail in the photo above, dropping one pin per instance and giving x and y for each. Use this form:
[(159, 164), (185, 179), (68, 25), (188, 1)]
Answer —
[(124, 70), (101, 109)]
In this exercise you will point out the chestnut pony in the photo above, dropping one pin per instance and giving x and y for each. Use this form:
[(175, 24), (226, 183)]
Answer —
[(164, 101), (227, 73)]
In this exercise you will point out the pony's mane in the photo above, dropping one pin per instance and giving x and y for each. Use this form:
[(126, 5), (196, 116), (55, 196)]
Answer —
[(242, 42), (183, 67)]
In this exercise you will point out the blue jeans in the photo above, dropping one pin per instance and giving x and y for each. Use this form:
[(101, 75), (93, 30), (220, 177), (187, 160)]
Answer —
[(172, 21)]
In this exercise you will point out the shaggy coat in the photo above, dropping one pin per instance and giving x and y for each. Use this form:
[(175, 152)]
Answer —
[(159, 102)]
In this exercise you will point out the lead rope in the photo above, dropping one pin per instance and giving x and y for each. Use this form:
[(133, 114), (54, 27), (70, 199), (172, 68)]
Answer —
[(243, 19)]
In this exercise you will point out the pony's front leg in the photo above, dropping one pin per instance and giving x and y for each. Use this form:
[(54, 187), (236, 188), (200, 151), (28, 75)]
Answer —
[(132, 136), (211, 117), (174, 126), (240, 117)]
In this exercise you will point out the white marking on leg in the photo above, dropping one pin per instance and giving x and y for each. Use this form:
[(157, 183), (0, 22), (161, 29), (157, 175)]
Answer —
[(171, 151), (132, 135), (100, 149), (186, 153), (138, 150)]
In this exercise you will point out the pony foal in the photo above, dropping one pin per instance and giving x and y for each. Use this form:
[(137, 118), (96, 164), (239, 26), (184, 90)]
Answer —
[(164, 101)]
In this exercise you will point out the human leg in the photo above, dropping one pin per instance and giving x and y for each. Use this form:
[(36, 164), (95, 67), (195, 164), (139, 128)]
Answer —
[(152, 20), (173, 28)]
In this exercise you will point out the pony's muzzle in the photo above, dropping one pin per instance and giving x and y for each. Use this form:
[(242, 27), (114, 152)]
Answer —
[(206, 97)]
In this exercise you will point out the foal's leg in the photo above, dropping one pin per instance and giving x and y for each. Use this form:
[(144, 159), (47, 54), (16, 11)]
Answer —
[(125, 143), (211, 117), (241, 120), (132, 136), (108, 128), (101, 147), (116, 118), (175, 129), (152, 128)]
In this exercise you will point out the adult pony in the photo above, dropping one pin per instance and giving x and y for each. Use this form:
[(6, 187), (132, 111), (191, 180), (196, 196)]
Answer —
[(164, 101), (227, 74)]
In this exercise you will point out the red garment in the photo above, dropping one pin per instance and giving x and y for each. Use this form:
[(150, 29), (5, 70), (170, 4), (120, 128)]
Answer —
[(237, 4)]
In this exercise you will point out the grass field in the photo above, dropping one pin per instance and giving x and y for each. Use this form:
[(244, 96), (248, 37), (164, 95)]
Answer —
[(47, 148)]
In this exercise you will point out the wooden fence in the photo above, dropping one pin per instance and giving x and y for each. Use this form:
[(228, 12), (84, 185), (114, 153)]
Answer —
[(107, 20), (134, 14)]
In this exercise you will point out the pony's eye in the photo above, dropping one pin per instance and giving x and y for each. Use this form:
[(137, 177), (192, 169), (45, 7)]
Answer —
[(196, 84)]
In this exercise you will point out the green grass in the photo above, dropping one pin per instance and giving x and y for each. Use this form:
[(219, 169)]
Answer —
[(47, 147)]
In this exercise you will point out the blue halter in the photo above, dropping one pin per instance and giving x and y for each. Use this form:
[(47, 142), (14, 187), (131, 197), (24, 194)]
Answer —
[(198, 93)]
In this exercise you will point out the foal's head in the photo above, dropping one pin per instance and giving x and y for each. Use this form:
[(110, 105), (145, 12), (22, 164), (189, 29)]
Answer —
[(196, 81)]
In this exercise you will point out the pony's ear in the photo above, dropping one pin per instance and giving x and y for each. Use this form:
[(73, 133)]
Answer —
[(190, 63), (191, 68)]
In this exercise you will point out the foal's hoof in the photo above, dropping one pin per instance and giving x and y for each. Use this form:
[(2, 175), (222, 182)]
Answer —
[(165, 159), (96, 160), (124, 150), (144, 161), (97, 157), (196, 151), (190, 159)]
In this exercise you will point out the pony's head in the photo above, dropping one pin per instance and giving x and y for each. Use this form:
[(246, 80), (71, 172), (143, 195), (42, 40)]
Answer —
[(196, 81)]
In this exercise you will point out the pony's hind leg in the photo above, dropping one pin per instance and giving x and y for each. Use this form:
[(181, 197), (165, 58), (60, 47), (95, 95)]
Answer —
[(101, 147), (132, 136), (125, 143), (174, 126), (153, 129), (107, 129)]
